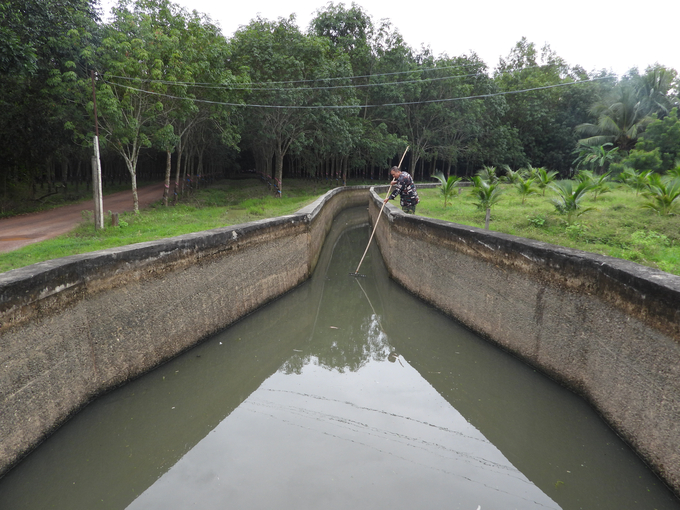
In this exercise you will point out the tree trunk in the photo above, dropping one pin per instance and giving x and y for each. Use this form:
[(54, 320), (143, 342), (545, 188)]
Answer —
[(488, 218), (412, 165), (133, 176), (177, 170), (184, 172), (168, 171), (64, 174), (344, 170), (278, 176), (77, 179), (199, 169), (135, 197)]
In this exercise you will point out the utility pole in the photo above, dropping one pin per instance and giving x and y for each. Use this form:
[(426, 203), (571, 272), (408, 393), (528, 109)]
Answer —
[(97, 168)]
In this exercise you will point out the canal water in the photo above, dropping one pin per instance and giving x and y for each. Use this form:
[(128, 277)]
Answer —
[(345, 393)]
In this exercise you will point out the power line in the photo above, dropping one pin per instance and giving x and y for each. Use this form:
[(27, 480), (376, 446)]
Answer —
[(249, 87), (345, 107)]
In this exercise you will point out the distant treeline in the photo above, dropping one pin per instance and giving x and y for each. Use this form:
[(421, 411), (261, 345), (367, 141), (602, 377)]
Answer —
[(342, 99)]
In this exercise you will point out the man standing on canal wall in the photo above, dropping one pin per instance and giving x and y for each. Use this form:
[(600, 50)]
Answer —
[(404, 186)]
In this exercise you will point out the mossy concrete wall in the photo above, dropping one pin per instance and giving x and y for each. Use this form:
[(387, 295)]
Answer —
[(607, 328), (76, 327)]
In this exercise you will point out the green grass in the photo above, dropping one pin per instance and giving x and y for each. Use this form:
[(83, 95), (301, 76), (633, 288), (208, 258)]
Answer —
[(223, 204), (617, 226)]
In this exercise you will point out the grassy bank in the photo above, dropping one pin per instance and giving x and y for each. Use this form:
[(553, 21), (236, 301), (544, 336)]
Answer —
[(223, 204), (616, 226)]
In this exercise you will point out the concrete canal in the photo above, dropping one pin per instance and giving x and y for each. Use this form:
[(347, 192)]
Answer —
[(344, 393)]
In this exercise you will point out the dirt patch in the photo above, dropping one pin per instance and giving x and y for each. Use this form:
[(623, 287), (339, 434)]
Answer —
[(20, 231)]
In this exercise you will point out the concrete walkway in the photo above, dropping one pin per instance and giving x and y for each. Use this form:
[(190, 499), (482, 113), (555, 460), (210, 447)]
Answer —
[(20, 231)]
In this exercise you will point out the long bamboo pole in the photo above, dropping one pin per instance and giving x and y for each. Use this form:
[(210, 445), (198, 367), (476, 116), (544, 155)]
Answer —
[(379, 216)]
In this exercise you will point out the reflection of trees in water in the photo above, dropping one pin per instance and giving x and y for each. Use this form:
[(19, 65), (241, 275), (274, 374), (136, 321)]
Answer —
[(347, 331), (347, 348)]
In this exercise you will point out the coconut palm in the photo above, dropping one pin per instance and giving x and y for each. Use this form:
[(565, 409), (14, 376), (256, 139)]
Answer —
[(525, 188), (487, 194), (528, 171), (622, 117), (663, 192), (634, 179), (511, 176), (674, 172), (488, 173), (569, 198), (544, 178), (599, 183), (448, 186)]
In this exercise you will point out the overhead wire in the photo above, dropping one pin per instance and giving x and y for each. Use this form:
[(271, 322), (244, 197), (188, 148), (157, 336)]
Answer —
[(344, 107), (255, 85), (443, 68)]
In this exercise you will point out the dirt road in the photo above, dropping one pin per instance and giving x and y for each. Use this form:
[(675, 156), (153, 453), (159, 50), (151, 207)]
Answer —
[(19, 231)]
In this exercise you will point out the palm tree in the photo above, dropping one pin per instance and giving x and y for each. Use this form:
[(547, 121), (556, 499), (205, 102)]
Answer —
[(600, 183), (653, 89), (525, 188), (622, 117), (663, 193), (674, 172), (487, 193), (528, 171), (448, 186), (569, 198), (544, 178), (636, 180), (488, 173), (511, 176)]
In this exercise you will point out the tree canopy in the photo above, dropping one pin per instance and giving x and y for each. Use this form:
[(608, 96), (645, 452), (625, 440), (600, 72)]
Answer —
[(341, 98)]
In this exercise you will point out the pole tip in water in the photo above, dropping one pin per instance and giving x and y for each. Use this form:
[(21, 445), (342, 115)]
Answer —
[(358, 275)]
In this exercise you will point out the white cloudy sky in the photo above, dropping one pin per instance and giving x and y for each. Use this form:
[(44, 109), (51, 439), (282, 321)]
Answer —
[(596, 35)]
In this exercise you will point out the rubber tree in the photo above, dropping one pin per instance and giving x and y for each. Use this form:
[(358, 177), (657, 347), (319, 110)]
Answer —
[(350, 31), (544, 117), (134, 53), (209, 88), (289, 70), (44, 51)]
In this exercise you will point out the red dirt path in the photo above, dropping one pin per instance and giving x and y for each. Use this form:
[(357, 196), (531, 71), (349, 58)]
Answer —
[(21, 230)]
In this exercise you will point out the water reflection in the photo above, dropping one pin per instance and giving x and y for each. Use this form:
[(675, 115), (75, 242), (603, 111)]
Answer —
[(345, 392)]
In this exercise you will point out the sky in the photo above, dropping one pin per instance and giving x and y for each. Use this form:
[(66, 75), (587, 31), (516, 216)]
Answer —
[(595, 35)]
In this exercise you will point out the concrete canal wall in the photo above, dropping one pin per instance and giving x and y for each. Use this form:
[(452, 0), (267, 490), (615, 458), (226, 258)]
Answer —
[(607, 328), (76, 327)]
